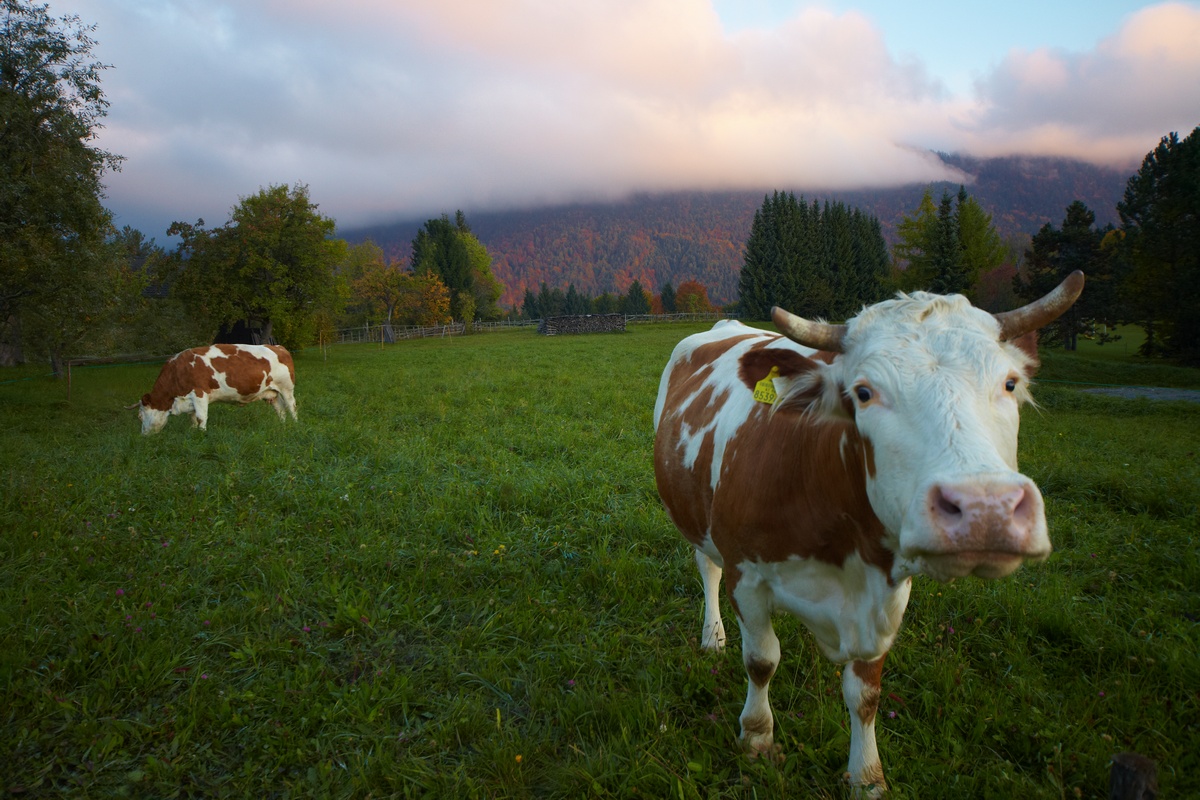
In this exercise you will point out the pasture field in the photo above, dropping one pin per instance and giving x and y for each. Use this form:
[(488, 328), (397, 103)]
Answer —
[(453, 578)]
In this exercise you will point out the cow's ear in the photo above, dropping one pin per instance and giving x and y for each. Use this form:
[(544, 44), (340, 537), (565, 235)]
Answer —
[(795, 383), (146, 399), (755, 365)]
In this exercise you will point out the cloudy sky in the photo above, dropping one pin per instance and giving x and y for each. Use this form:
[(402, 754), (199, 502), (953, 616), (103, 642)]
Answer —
[(393, 109)]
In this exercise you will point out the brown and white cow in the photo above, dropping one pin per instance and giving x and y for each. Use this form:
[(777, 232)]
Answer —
[(219, 373), (877, 450)]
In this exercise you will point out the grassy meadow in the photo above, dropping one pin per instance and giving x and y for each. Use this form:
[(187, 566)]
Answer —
[(453, 578)]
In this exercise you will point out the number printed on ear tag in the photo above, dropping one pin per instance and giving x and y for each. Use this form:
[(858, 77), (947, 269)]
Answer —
[(764, 390)]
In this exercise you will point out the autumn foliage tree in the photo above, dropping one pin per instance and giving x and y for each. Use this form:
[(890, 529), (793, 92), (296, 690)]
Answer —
[(692, 298), (400, 296)]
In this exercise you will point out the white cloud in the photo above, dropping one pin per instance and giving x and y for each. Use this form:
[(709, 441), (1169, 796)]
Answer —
[(423, 106)]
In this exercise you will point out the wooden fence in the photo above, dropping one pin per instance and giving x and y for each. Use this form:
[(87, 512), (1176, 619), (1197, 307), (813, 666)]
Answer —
[(388, 334)]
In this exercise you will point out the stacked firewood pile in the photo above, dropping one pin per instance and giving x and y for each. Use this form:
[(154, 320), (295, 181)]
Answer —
[(582, 323)]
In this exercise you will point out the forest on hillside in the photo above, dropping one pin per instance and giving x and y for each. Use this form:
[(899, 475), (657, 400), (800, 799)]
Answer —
[(701, 236)]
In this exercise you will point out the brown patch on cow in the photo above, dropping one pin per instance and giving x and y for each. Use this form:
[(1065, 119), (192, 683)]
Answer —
[(184, 373), (760, 671), (871, 674), (686, 493), (869, 456), (706, 354), (243, 371), (786, 491), (285, 358)]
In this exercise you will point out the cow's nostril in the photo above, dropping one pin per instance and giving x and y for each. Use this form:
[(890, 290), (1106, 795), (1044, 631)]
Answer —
[(942, 504)]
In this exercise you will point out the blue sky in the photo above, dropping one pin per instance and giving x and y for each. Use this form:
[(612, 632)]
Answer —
[(391, 110), (958, 40)]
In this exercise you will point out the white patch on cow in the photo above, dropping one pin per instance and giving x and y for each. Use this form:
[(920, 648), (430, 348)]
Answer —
[(852, 610)]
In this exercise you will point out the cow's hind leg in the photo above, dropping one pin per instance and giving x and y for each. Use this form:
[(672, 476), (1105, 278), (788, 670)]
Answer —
[(860, 688), (760, 655), (286, 400), (714, 630)]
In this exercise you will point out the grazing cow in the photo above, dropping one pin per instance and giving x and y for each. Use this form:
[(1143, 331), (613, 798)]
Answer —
[(219, 373), (822, 473)]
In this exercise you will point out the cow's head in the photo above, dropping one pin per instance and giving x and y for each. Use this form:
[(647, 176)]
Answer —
[(151, 418), (933, 386)]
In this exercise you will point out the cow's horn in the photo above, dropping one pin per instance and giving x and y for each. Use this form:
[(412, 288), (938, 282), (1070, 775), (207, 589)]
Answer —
[(130, 408), (818, 335), (1040, 313)]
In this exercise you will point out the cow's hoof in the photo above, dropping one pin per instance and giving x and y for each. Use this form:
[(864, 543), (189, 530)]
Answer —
[(759, 746), (866, 791)]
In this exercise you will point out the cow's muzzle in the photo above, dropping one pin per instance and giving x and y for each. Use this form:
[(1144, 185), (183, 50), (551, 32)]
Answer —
[(983, 527)]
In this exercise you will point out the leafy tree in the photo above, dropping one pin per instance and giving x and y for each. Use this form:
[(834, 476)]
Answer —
[(451, 251), (692, 298), (273, 263), (1160, 219), (1056, 253), (635, 301), (667, 298), (57, 276)]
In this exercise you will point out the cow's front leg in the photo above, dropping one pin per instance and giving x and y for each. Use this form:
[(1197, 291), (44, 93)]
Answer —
[(760, 655), (713, 635), (860, 687)]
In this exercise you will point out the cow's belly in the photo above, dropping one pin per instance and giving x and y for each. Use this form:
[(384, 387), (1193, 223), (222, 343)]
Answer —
[(852, 611)]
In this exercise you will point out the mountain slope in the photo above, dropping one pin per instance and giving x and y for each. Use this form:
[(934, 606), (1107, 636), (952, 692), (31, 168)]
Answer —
[(603, 247)]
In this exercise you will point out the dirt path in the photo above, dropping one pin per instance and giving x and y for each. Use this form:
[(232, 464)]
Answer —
[(1154, 393)]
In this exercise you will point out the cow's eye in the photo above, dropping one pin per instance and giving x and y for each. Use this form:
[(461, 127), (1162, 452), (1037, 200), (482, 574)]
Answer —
[(863, 394), (1010, 385)]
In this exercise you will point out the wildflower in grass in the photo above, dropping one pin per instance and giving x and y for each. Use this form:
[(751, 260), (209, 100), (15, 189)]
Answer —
[(518, 758), (891, 715), (570, 683), (203, 676), (950, 629), (165, 544), (1102, 694), (306, 629), (120, 592), (364, 619), (207, 623)]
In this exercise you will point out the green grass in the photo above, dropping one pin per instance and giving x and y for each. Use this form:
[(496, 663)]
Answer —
[(453, 578)]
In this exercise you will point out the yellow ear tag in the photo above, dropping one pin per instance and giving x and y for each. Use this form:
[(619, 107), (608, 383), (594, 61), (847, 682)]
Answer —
[(764, 390)]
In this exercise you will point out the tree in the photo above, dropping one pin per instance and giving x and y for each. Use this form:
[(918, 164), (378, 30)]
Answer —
[(272, 264), (1052, 256), (635, 301), (56, 272), (948, 272), (667, 298), (449, 250), (948, 247), (576, 303), (1160, 220), (813, 260), (692, 298)]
